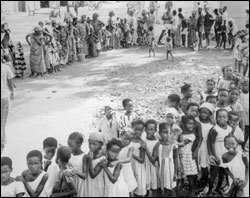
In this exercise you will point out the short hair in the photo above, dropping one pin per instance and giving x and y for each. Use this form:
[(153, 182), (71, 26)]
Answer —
[(6, 161), (211, 80), (230, 136), (221, 90), (216, 11), (180, 16), (211, 97), (35, 153), (163, 126), (137, 122), (168, 39), (185, 88), (174, 98), (50, 142), (113, 142), (180, 10), (234, 89), (220, 110), (125, 102), (185, 119), (78, 137), (192, 104), (64, 154), (224, 68), (151, 122), (151, 28), (233, 113), (174, 12)]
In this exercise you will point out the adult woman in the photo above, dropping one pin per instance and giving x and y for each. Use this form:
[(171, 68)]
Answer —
[(6, 41), (37, 59), (7, 92), (63, 39)]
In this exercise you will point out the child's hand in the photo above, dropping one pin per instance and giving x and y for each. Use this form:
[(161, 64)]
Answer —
[(19, 179), (103, 163), (143, 145), (71, 173)]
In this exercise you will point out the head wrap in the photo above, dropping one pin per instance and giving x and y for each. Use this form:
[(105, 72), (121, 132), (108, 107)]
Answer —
[(96, 136), (208, 106)]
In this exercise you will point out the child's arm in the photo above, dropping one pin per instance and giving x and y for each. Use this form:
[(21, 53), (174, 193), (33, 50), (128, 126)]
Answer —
[(113, 177), (39, 189), (210, 144), (152, 158), (93, 172), (199, 139), (140, 158), (245, 160)]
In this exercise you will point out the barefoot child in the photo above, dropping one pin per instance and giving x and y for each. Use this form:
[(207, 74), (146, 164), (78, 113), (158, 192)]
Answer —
[(78, 163), (9, 187), (34, 179), (169, 48), (152, 46), (115, 185), (64, 186), (210, 91), (127, 118), (186, 91)]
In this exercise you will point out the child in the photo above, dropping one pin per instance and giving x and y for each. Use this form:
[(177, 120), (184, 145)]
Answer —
[(19, 61), (186, 91), (236, 162), (210, 90), (96, 184), (151, 169), (233, 121), (78, 163), (108, 36), (216, 149), (223, 101), (174, 102), (34, 179), (109, 126), (115, 185), (9, 187), (244, 101), (205, 118), (138, 158), (49, 162), (129, 116), (169, 48), (228, 78), (125, 157), (188, 161), (150, 35), (237, 53), (212, 100), (64, 186), (152, 46)]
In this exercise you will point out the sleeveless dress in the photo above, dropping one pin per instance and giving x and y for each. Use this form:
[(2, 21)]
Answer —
[(96, 185), (139, 172), (118, 189), (127, 170), (35, 184), (80, 184), (166, 168), (151, 170)]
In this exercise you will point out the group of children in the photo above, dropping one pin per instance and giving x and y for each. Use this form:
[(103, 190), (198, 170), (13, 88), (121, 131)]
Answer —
[(199, 147)]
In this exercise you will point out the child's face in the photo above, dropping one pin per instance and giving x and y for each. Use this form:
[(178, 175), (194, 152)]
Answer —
[(109, 112), (5, 173), (34, 165), (150, 130), (222, 118), (228, 71), (212, 101), (210, 85), (113, 152), (188, 94), (170, 119), (138, 130), (73, 145), (126, 139), (231, 144), (234, 95), (204, 113), (193, 111), (94, 146), (164, 134), (245, 88), (234, 121), (129, 107), (223, 96), (49, 152), (190, 125), (172, 104)]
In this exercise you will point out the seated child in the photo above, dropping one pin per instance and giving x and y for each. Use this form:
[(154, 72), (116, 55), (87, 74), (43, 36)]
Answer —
[(9, 187)]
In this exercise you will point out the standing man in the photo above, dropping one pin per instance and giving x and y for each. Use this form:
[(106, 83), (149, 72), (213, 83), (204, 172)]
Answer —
[(7, 93), (200, 26), (174, 27), (208, 23)]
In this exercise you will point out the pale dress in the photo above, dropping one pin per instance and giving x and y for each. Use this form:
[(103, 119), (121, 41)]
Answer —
[(12, 189), (203, 151), (166, 166), (189, 164), (35, 184), (139, 172), (76, 162), (96, 186), (119, 188), (127, 170), (151, 170), (237, 168)]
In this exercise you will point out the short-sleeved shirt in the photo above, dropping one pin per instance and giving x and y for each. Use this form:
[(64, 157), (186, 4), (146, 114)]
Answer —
[(6, 74), (12, 189)]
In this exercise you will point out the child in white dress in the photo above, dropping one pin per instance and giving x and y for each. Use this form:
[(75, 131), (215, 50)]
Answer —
[(129, 116)]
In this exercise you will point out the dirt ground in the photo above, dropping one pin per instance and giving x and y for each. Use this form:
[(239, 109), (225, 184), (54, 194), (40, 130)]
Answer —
[(72, 100)]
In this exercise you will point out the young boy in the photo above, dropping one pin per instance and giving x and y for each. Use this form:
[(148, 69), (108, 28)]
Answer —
[(187, 95), (49, 164), (169, 48), (9, 187)]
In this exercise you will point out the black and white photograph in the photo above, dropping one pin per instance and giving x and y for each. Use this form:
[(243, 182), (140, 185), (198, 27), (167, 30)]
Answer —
[(124, 98)]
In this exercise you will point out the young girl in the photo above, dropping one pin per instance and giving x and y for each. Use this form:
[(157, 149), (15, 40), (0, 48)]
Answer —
[(96, 175), (115, 185), (174, 102), (9, 187), (216, 149), (151, 169), (163, 155), (205, 118), (152, 46), (223, 101), (129, 116), (228, 78), (189, 164), (138, 158), (78, 163), (186, 91), (34, 179), (210, 90), (64, 186), (169, 48), (237, 53), (236, 162)]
